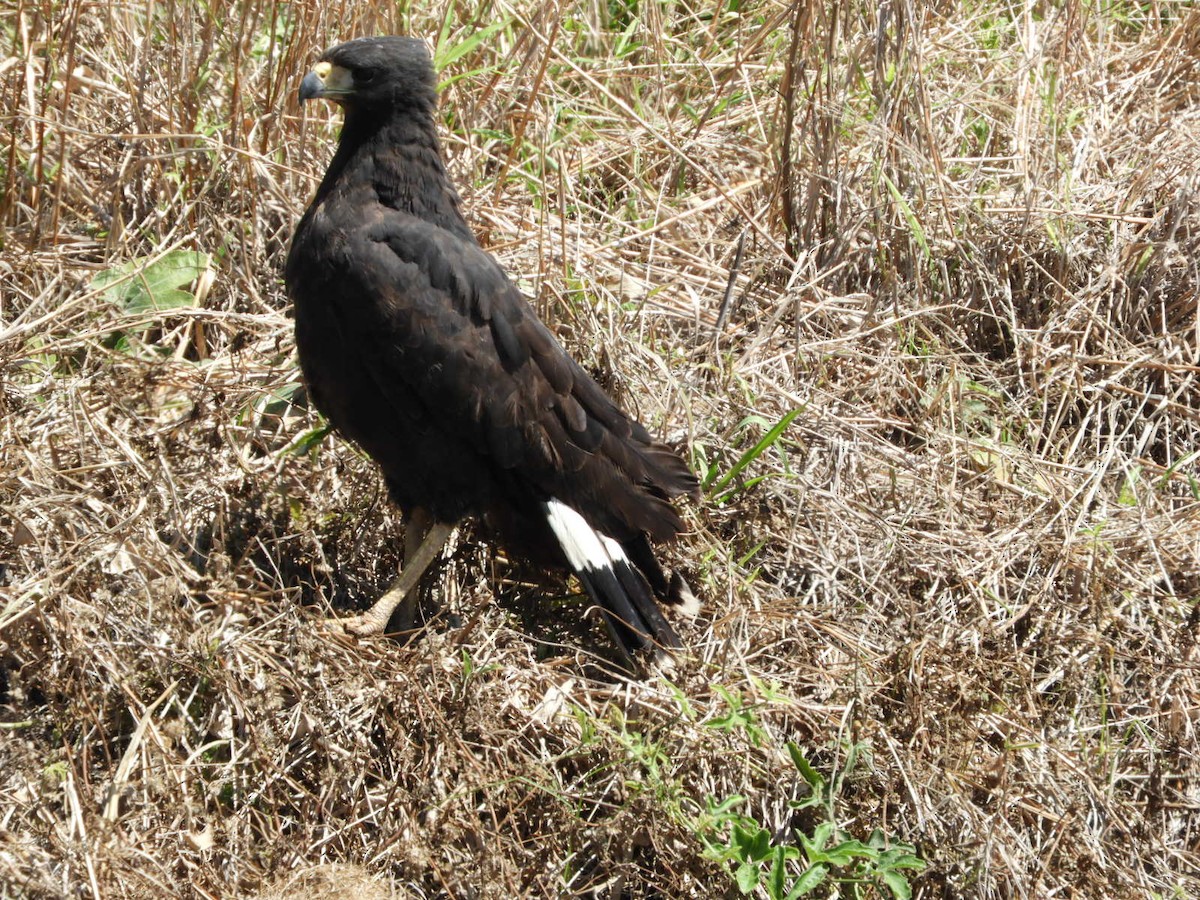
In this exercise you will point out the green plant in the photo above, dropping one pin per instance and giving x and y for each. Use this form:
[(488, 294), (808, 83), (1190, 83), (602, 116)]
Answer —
[(719, 486), (740, 715), (153, 284), (785, 870), (148, 286)]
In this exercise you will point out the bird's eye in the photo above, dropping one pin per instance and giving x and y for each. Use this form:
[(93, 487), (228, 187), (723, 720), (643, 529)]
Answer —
[(365, 76)]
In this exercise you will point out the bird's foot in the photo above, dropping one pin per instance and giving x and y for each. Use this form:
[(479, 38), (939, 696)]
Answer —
[(375, 620), (402, 593), (362, 626)]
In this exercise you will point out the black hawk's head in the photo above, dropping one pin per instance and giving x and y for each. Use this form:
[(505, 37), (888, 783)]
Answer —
[(374, 74)]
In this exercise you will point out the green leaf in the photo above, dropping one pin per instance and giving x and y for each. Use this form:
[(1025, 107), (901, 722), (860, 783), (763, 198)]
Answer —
[(897, 884), (153, 284), (853, 752), (747, 877), (820, 836), (900, 856), (751, 843), (814, 778), (1129, 489), (309, 439), (809, 881), (914, 224), (726, 807), (739, 716), (279, 401), (847, 851), (756, 451), (1169, 473), (446, 55), (777, 877)]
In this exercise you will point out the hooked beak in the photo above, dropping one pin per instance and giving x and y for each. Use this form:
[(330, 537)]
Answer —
[(326, 80)]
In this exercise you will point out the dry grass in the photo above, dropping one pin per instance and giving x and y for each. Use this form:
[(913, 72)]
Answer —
[(972, 560)]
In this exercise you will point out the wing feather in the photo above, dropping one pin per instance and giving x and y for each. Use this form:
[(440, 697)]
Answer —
[(443, 320)]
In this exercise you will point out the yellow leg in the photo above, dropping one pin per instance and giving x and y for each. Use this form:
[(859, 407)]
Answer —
[(404, 588)]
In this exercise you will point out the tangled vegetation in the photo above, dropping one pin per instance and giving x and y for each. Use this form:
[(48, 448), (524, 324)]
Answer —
[(915, 288)]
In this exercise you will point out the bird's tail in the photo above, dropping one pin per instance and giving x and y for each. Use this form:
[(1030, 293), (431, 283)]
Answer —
[(617, 586)]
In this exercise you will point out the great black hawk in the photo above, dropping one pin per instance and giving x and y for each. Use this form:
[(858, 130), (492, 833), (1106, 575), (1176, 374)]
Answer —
[(416, 346)]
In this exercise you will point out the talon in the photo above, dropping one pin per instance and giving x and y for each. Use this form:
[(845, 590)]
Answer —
[(358, 626)]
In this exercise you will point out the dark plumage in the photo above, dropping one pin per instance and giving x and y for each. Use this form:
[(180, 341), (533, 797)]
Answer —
[(415, 345)]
